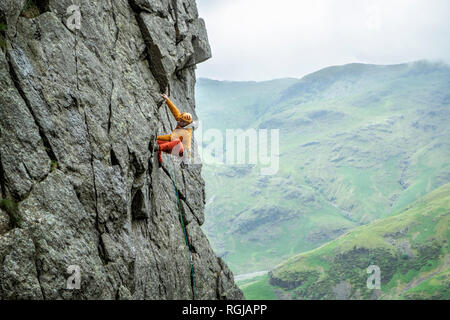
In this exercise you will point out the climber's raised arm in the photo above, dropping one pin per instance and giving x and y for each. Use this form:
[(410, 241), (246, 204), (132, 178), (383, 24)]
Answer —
[(176, 113)]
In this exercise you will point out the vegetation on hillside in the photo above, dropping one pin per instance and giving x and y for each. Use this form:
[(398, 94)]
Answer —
[(410, 248), (357, 143)]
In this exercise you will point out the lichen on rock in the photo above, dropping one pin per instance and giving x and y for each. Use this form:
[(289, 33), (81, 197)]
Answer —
[(80, 110)]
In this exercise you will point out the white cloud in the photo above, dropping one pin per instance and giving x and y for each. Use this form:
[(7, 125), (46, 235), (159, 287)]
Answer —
[(266, 39)]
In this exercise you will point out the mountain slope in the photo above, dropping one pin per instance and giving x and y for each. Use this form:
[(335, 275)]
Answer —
[(357, 143), (410, 248)]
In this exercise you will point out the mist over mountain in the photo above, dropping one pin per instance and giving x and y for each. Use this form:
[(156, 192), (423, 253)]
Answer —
[(357, 143)]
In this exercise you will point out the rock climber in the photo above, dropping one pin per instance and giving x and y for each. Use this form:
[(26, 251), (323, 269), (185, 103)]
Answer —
[(179, 140)]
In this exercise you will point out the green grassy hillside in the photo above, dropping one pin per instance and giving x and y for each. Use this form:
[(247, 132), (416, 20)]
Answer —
[(411, 249), (357, 143)]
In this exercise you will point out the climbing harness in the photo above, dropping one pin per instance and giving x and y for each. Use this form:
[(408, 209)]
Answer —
[(173, 177)]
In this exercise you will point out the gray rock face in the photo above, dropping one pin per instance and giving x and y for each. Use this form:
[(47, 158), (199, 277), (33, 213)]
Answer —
[(79, 113)]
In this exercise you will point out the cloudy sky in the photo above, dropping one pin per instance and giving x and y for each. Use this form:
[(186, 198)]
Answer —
[(267, 39)]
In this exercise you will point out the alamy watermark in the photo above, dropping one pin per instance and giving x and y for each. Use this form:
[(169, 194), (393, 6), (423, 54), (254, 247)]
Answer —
[(374, 280), (253, 147), (74, 280), (73, 22), (374, 18)]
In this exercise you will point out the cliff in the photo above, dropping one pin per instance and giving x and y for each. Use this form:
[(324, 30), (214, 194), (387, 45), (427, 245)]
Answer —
[(80, 110)]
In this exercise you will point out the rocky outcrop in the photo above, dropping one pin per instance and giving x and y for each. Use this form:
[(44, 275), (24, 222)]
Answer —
[(80, 110)]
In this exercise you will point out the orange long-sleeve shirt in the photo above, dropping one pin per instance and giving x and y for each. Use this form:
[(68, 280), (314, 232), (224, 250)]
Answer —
[(186, 133)]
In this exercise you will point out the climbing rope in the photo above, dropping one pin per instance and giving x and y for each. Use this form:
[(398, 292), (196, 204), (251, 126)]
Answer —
[(173, 177)]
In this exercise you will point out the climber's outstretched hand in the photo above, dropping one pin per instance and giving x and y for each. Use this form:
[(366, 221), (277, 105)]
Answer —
[(165, 96)]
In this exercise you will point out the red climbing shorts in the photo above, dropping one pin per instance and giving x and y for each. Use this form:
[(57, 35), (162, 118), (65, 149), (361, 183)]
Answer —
[(174, 147)]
